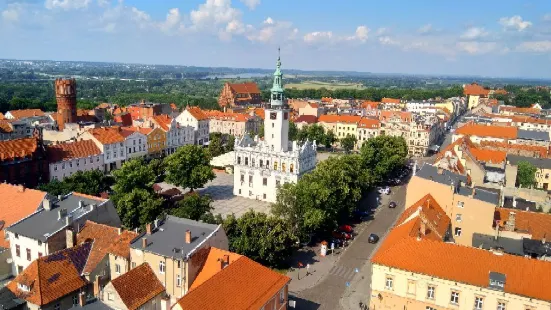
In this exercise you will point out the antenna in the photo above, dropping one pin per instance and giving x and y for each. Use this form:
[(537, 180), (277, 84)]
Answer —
[(279, 52)]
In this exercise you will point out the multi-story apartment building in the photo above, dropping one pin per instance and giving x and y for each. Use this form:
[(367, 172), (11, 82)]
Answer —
[(199, 121), (176, 134), (253, 285), (111, 143), (135, 143), (436, 274), (67, 158), (474, 93), (311, 108), (45, 231), (18, 203), (367, 128), (175, 249), (236, 124)]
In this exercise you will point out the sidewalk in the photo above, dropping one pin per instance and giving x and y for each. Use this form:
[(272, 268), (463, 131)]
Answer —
[(319, 268)]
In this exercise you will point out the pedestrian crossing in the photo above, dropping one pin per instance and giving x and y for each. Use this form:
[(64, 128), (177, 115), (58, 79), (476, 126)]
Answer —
[(343, 272)]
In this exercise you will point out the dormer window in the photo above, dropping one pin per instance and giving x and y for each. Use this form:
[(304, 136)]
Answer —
[(23, 287)]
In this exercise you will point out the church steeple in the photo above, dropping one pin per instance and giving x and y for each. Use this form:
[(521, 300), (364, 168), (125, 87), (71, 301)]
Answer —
[(277, 96)]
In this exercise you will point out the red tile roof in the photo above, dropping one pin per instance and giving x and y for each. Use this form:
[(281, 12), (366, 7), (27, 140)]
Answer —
[(18, 114), (472, 129), (313, 105), (370, 104), (475, 90), (536, 224), (524, 276), (138, 286), (391, 100), (197, 113), (308, 119), (542, 151), (106, 240), (107, 135), (17, 148), (52, 277), (71, 150), (350, 119), (143, 130), (245, 88), (428, 212), (326, 99), (213, 265), (5, 126), (489, 156), (404, 116), (519, 110), (18, 202), (369, 123), (124, 118), (233, 288)]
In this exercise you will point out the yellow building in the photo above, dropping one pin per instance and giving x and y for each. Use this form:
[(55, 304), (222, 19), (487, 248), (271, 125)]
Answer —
[(156, 142), (416, 268)]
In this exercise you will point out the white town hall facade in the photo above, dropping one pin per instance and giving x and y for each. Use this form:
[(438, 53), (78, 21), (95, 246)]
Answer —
[(261, 166)]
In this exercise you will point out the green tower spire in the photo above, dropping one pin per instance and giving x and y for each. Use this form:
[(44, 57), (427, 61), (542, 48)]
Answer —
[(277, 88)]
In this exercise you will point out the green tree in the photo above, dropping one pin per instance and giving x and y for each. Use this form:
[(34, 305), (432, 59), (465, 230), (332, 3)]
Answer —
[(348, 142), (266, 239), (526, 174), (329, 139), (134, 174), (92, 182), (158, 167), (261, 131), (383, 155), (193, 206), (293, 131), (231, 143), (216, 146), (138, 207), (189, 167)]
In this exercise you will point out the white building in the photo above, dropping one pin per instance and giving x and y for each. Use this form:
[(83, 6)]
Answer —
[(65, 159), (135, 143), (111, 142), (177, 135), (261, 166), (198, 120)]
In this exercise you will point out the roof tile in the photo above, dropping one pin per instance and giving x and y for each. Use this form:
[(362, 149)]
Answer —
[(71, 150), (138, 286)]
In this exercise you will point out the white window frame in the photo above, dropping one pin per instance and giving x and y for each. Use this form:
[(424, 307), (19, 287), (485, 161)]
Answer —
[(75, 300), (178, 280), (478, 302), (162, 267), (458, 217), (454, 296), (501, 305), (431, 293), (457, 232), (389, 283), (117, 269)]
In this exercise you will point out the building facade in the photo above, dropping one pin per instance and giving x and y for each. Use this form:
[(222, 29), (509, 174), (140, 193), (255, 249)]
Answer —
[(194, 117), (244, 94), (67, 159), (260, 167)]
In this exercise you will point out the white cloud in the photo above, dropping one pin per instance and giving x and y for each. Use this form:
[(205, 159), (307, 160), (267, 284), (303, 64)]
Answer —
[(272, 31), (474, 48), (386, 40), (268, 21), (213, 13), (515, 22), (172, 21), (535, 46), (67, 4), (425, 29), (361, 34), (474, 33), (12, 13), (547, 17), (251, 4), (381, 31), (318, 36), (141, 17)]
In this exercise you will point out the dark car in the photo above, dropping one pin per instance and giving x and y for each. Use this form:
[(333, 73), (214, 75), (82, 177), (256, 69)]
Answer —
[(392, 205), (342, 235), (373, 238)]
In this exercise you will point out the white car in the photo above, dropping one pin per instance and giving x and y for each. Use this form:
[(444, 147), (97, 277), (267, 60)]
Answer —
[(384, 190)]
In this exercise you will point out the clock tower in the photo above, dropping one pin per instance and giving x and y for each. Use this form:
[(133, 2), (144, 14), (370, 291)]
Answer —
[(276, 119)]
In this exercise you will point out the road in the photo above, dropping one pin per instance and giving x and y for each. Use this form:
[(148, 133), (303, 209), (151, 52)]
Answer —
[(327, 293)]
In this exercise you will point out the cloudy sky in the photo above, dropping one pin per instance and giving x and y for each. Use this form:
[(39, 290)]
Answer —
[(489, 38)]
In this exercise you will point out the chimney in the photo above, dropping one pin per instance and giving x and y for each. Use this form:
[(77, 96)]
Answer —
[(119, 230), (81, 204), (543, 239), (514, 201), (70, 237), (148, 228), (144, 243), (21, 188), (47, 204), (82, 299), (188, 236), (61, 213), (68, 220), (511, 222)]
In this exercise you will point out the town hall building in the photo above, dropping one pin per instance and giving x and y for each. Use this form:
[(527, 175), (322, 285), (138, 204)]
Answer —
[(261, 166)]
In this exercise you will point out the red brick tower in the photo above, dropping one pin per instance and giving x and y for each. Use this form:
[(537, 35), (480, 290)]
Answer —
[(66, 96)]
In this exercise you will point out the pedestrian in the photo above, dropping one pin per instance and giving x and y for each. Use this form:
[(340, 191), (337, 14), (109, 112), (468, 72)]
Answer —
[(307, 269)]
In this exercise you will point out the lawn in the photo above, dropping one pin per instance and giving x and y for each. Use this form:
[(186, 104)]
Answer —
[(326, 85)]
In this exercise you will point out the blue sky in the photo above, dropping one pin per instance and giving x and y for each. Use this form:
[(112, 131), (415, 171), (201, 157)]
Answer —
[(509, 38)]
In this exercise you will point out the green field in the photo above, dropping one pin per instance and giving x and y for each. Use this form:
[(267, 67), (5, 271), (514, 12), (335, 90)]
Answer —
[(326, 85)]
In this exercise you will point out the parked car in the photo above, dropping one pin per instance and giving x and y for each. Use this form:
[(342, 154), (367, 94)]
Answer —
[(360, 213), (342, 235), (346, 229), (384, 190), (339, 243), (392, 205), (373, 238)]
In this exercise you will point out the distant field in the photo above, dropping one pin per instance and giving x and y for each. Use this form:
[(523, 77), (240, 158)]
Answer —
[(326, 85)]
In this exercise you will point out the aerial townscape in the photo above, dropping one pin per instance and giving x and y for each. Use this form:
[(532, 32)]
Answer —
[(229, 179)]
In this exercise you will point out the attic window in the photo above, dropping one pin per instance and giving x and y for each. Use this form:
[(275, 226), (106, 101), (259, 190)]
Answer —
[(23, 287), (497, 281)]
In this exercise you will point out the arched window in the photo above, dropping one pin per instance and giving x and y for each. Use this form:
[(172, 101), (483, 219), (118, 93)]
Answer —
[(246, 161), (283, 167), (291, 168), (239, 160), (260, 163), (275, 165)]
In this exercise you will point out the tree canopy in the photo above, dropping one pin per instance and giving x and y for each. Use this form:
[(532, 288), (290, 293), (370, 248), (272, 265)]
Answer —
[(526, 174), (383, 154), (348, 142), (189, 167), (134, 174), (193, 206), (93, 182), (138, 207)]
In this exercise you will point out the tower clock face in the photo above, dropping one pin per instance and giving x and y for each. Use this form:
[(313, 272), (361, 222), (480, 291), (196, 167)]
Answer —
[(273, 115)]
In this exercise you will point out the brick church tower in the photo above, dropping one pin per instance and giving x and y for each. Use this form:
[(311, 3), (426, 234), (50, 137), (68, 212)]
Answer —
[(66, 96)]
